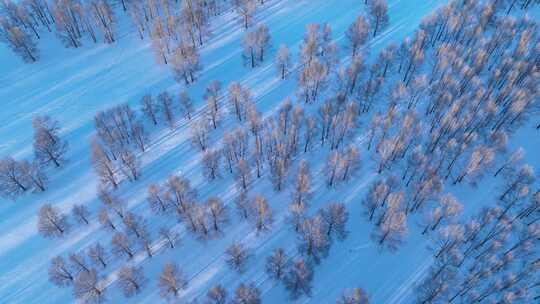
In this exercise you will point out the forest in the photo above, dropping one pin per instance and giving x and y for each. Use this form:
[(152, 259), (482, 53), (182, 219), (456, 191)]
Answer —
[(270, 151)]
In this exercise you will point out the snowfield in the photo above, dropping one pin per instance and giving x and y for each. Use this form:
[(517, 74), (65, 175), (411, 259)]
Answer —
[(71, 85)]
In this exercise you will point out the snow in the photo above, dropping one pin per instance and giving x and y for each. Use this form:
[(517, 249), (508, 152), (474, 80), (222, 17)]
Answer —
[(72, 85)]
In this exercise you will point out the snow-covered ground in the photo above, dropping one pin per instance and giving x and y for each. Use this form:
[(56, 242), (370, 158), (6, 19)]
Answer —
[(72, 85)]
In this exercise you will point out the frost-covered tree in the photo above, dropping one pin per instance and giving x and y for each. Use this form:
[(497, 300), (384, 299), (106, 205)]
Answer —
[(302, 184), (131, 280), (150, 108), (122, 245), (186, 63), (353, 296), (48, 146), (135, 224), (296, 215), (61, 274), (81, 214), (277, 264), (216, 295), (261, 213), (13, 180), (170, 236), (34, 174), (357, 34), (19, 40), (78, 262), (313, 236), (98, 255), (263, 42), (52, 222), (392, 224), (246, 10), (447, 209), (105, 220), (237, 256), (283, 61), (298, 279), (171, 281), (199, 134), (166, 108), (130, 165), (378, 14), (335, 215), (218, 212), (186, 104), (112, 202), (158, 198), (103, 165), (247, 294), (211, 164), (88, 288)]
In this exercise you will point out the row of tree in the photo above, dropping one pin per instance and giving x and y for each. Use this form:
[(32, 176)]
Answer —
[(18, 177)]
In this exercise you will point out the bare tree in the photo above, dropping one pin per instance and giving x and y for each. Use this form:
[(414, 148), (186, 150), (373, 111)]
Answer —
[(104, 19), (34, 174), (171, 281), (296, 215), (130, 165), (392, 226), (131, 280), (135, 224), (186, 63), (246, 9), (103, 165), (105, 220), (314, 241), (302, 184), (249, 44), (88, 287), (48, 147), (98, 255), (262, 41), (186, 105), (121, 245), (172, 237), (283, 61), (335, 215), (218, 212), (165, 104), (448, 208), (242, 205), (112, 202), (216, 295), (277, 264), (150, 108), (20, 42), (158, 199), (353, 296), (243, 174), (211, 162), (237, 256), (52, 222), (199, 134), (262, 214), (247, 294), (378, 13), (13, 180), (60, 273), (78, 262), (298, 279), (81, 214), (357, 34)]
